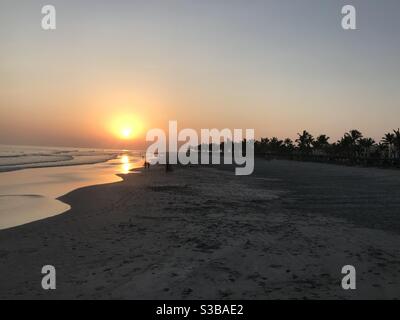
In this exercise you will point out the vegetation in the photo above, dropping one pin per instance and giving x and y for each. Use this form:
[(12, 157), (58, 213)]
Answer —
[(352, 148)]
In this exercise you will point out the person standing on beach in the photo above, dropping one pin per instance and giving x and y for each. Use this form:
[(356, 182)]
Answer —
[(146, 163)]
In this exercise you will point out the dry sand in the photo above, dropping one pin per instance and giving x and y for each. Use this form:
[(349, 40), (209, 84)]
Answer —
[(203, 233)]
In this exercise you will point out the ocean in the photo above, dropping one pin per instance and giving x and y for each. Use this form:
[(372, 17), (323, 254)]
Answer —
[(21, 157), (33, 178)]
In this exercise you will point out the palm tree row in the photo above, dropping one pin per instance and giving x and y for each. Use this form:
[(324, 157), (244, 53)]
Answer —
[(353, 147)]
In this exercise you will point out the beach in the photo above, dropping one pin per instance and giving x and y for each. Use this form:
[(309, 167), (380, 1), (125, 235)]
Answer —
[(30, 192), (200, 232)]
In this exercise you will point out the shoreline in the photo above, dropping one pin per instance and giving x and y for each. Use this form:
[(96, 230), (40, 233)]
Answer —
[(39, 165), (201, 233), (33, 194)]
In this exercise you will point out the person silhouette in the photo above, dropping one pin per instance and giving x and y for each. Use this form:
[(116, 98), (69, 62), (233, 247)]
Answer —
[(146, 163)]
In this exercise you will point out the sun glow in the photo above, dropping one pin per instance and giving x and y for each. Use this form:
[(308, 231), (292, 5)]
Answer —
[(126, 127), (126, 132), (125, 164)]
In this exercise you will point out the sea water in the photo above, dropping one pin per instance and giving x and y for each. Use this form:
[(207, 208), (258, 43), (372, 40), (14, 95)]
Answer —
[(32, 178)]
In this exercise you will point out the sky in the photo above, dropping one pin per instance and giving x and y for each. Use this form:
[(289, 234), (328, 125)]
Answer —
[(277, 66)]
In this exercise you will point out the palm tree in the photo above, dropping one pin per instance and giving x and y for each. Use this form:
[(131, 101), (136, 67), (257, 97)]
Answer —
[(388, 141), (288, 144), (349, 149), (366, 144), (396, 141), (261, 146), (354, 135), (321, 142), (264, 144), (275, 145), (304, 141), (381, 150), (350, 141)]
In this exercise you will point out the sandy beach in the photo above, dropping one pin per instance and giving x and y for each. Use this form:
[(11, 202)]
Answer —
[(203, 233)]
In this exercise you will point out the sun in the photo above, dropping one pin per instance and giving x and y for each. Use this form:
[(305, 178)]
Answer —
[(125, 127), (126, 133)]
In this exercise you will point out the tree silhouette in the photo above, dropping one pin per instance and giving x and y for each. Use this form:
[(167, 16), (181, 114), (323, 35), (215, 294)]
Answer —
[(321, 142), (351, 148), (304, 141), (388, 141), (396, 142)]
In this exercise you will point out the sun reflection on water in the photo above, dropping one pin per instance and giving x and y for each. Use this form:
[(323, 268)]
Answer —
[(126, 166)]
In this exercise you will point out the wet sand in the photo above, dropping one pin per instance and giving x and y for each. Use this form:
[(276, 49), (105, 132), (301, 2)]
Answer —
[(31, 194), (203, 233)]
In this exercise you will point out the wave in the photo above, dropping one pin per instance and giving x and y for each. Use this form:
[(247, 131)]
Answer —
[(22, 157)]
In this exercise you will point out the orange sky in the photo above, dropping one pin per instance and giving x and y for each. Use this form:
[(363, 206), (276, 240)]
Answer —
[(278, 67)]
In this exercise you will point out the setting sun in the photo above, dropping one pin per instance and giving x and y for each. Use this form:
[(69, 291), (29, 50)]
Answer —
[(126, 133), (126, 127)]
